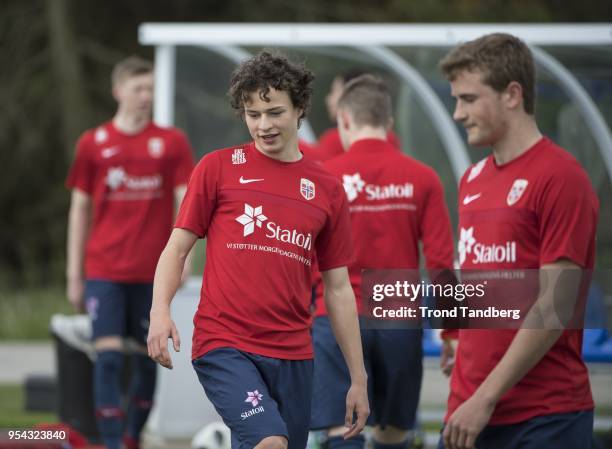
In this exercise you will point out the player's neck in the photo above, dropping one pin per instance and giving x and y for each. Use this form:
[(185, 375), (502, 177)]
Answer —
[(518, 139), (367, 132), (290, 153), (130, 123)]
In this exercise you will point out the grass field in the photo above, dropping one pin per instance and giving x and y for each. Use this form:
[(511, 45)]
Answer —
[(12, 410), (25, 314)]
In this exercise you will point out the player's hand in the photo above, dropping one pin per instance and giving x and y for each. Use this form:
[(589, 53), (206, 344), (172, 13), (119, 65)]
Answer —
[(466, 423), (356, 402), (75, 290), (161, 328), (447, 355)]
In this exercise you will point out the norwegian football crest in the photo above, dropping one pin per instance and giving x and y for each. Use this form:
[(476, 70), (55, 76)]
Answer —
[(307, 188), (156, 147), (516, 191)]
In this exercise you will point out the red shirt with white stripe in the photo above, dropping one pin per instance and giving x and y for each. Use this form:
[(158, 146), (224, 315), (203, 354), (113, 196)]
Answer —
[(131, 180), (534, 210), (395, 201), (263, 220)]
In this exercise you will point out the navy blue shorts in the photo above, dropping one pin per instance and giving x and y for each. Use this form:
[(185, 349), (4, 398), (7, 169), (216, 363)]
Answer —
[(258, 396), (559, 431), (119, 309), (394, 362)]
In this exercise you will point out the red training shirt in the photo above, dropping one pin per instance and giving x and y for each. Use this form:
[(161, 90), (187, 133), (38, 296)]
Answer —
[(395, 201), (131, 181), (531, 211), (263, 220)]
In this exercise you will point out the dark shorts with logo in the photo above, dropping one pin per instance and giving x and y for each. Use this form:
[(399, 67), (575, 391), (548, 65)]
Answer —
[(559, 431), (394, 362), (258, 396), (119, 309)]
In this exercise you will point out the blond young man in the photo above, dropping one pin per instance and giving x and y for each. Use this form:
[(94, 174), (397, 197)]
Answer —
[(126, 177)]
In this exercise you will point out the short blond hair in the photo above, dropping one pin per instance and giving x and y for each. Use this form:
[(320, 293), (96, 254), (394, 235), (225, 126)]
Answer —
[(368, 99), (128, 67)]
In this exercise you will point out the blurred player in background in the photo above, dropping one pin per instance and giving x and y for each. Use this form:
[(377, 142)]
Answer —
[(329, 144), (395, 202), (527, 388), (264, 209), (126, 178)]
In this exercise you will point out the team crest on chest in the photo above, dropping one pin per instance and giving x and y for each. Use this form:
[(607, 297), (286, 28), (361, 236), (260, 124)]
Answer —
[(307, 188), (156, 147), (516, 191)]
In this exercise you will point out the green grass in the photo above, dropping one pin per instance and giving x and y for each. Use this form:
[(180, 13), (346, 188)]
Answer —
[(12, 412), (25, 314)]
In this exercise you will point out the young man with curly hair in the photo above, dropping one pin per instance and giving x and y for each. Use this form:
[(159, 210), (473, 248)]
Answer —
[(265, 210)]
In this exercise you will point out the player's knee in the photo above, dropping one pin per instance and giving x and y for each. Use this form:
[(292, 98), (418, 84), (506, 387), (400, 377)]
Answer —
[(112, 343), (336, 431), (273, 442)]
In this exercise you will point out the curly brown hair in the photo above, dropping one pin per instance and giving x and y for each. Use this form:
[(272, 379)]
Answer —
[(502, 58), (268, 70)]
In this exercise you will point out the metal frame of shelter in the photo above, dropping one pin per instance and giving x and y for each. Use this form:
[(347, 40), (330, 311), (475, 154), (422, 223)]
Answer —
[(374, 40)]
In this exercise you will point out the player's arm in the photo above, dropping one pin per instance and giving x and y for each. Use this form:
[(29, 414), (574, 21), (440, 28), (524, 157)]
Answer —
[(179, 194), (79, 219), (550, 312), (166, 283), (342, 311)]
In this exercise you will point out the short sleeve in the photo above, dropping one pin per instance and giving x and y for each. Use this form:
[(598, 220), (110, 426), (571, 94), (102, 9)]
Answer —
[(82, 172), (334, 243), (568, 218), (184, 160), (200, 199)]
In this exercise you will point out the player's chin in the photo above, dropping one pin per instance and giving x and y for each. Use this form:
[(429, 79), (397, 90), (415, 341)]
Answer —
[(270, 148), (476, 140)]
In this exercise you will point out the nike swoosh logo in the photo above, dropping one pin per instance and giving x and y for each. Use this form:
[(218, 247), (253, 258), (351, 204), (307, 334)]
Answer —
[(246, 181), (469, 198)]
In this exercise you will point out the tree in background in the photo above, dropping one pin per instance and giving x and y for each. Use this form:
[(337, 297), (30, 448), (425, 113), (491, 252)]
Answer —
[(56, 56)]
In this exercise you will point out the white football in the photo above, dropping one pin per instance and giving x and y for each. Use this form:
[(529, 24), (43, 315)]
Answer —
[(215, 435)]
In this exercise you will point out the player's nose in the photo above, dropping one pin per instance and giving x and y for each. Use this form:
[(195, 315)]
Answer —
[(459, 114)]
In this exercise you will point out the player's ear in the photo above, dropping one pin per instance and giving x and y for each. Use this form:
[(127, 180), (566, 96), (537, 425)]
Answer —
[(390, 124), (513, 95), (343, 118), (115, 92)]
